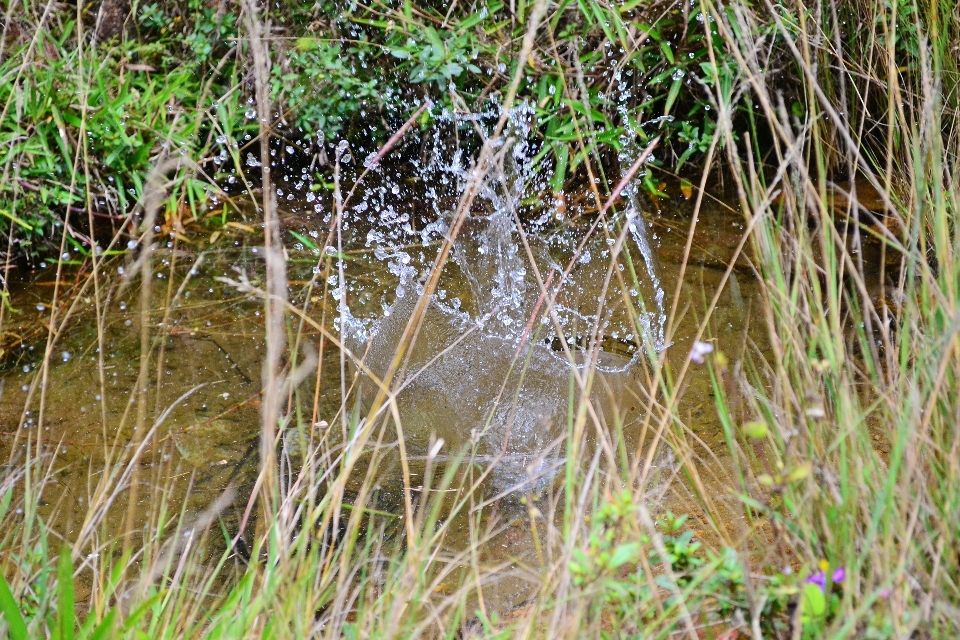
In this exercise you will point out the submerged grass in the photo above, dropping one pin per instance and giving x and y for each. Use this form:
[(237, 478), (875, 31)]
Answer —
[(842, 453)]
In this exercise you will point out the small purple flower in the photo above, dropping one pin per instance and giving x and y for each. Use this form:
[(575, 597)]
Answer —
[(699, 350), (819, 579)]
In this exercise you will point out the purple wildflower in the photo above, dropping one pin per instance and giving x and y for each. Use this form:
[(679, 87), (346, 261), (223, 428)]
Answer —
[(699, 350), (820, 578)]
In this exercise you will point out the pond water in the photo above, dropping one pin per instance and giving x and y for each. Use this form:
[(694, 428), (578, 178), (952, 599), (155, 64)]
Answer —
[(481, 374)]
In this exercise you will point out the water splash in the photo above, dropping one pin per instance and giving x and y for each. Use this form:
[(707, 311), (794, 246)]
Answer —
[(482, 373)]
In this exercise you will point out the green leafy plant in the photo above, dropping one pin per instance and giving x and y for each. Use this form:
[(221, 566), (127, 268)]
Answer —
[(61, 623), (89, 123)]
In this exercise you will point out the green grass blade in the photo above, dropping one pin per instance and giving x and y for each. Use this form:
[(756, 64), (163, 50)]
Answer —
[(66, 614), (16, 626), (105, 628)]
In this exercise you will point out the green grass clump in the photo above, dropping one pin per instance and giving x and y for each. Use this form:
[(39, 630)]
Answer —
[(88, 109)]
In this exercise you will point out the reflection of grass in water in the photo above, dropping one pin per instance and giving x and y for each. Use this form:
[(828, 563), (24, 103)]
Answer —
[(320, 539)]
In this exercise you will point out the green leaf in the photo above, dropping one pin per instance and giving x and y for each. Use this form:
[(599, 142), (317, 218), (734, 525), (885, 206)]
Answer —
[(16, 627), (689, 151), (71, 119), (66, 614), (813, 602), (473, 20), (623, 554), (560, 173), (604, 21), (105, 628), (307, 242), (665, 583), (629, 6), (667, 51), (672, 96), (434, 38), (134, 618), (611, 136)]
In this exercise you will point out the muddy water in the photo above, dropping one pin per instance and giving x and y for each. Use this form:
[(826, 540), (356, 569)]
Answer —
[(462, 367), (207, 343)]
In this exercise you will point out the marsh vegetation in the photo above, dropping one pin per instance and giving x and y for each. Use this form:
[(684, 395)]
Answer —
[(480, 320)]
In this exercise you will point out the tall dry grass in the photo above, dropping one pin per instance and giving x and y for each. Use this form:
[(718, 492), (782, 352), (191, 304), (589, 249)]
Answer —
[(841, 439)]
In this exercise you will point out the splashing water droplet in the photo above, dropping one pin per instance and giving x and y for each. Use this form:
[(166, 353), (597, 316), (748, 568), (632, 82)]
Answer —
[(488, 306)]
